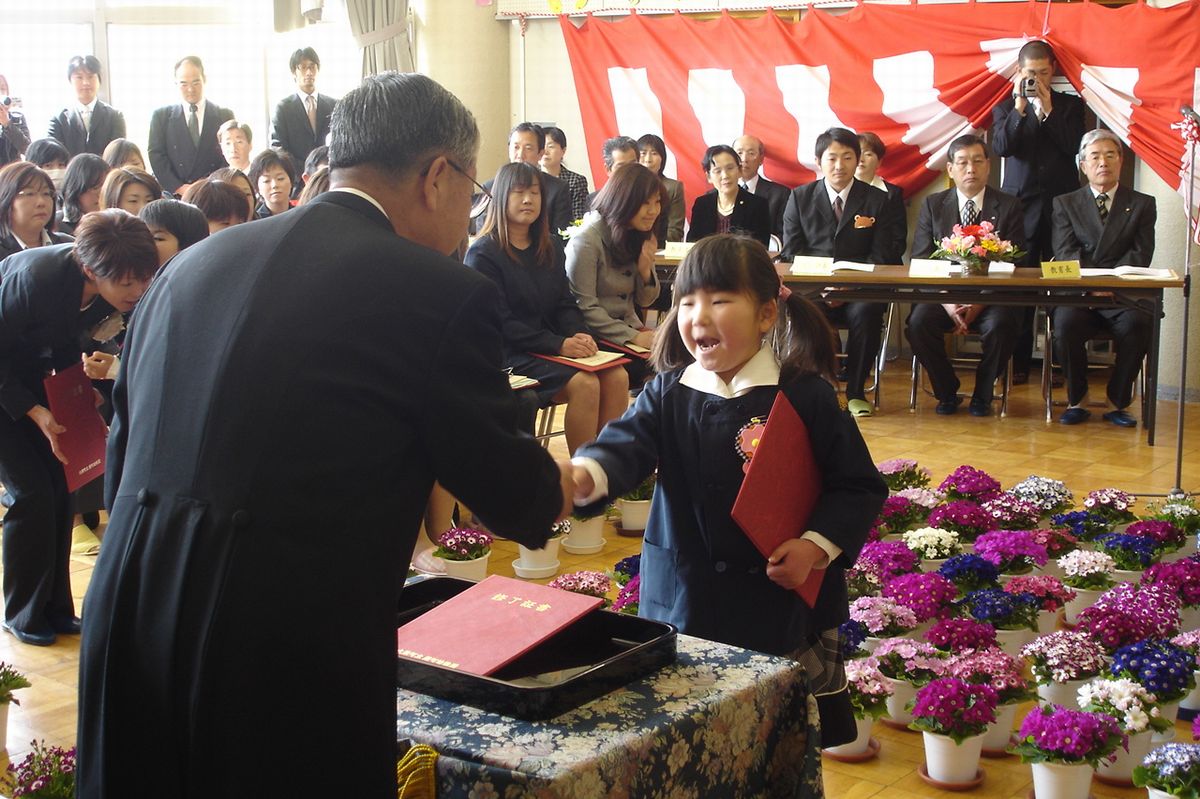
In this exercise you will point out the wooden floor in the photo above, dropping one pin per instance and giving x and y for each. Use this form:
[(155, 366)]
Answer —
[(1088, 456)]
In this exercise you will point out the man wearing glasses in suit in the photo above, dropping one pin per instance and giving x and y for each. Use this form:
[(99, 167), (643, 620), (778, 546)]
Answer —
[(301, 120)]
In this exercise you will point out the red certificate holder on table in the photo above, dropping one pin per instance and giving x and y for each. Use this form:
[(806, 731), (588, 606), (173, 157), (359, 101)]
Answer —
[(72, 401)]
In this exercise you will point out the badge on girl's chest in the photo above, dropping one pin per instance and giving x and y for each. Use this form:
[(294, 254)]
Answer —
[(748, 436)]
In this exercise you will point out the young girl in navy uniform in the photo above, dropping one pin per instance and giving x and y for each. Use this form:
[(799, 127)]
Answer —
[(733, 339)]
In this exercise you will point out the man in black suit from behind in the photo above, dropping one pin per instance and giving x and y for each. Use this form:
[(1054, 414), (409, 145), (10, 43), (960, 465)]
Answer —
[(89, 124), (1103, 225), (970, 202), (1037, 136), (843, 218), (183, 144), (301, 120), (753, 152)]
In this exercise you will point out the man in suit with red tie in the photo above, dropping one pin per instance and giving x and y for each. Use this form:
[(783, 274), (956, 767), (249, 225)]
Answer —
[(183, 144), (89, 125), (301, 120), (970, 202), (1102, 225), (753, 152)]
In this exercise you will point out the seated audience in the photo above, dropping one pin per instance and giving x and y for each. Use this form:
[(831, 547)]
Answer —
[(240, 181), (873, 151), (27, 203), (89, 123), (753, 152), (222, 204), (235, 139), (317, 184), (728, 208), (552, 164), (652, 154), (123, 152), (617, 152), (1103, 225), (129, 189), (175, 226), (81, 189), (272, 173), (51, 156), (970, 202), (538, 312)]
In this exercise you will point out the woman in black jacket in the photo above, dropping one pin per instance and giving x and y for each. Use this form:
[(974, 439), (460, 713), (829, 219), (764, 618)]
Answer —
[(27, 205), (728, 208)]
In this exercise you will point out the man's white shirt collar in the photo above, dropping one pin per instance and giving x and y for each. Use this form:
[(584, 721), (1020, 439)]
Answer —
[(761, 370), (365, 196), (304, 98), (751, 184), (1110, 192), (90, 107), (978, 198), (844, 193)]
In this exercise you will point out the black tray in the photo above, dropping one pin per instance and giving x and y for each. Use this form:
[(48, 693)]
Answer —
[(597, 654)]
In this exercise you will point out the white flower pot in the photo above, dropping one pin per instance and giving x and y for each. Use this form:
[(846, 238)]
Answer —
[(903, 692), (4, 726), (1192, 700), (1051, 569), (1127, 575), (634, 513), (1047, 621), (932, 565), (1121, 769), (918, 633), (1189, 619), (1011, 641), (860, 744), (1155, 793), (999, 732), (949, 762), (474, 570), (1170, 712), (1084, 598), (869, 644), (587, 536), (542, 558), (1060, 781), (1062, 693)]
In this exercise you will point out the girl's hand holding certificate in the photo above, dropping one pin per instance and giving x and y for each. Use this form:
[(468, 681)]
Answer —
[(789, 565)]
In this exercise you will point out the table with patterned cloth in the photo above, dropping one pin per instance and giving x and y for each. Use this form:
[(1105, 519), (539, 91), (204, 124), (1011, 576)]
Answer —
[(720, 721)]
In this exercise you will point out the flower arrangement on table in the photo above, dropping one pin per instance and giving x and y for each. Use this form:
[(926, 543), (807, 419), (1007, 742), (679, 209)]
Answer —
[(961, 516), (47, 772), (1129, 552), (995, 667), (626, 569), (1166, 670), (970, 572), (851, 635), (1064, 656), (1111, 503), (1173, 769), (463, 543), (1127, 701), (627, 598), (1181, 576), (928, 595), (901, 473), (1049, 591), (868, 689), (1084, 525), (1011, 551), (967, 482), (1055, 734), (925, 497), (906, 659), (1051, 496), (975, 247), (883, 617), (959, 635), (954, 708), (886, 559), (586, 582), (1166, 535), (1056, 542), (932, 543), (1002, 610), (11, 680), (899, 514), (1009, 512), (1087, 569), (1127, 614), (1182, 513)]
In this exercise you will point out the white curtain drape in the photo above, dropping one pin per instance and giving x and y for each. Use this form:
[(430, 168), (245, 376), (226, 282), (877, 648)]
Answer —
[(381, 29)]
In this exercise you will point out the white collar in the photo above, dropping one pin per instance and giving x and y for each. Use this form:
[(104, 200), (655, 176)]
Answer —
[(187, 107), (45, 240), (878, 183), (304, 97), (761, 370), (844, 193), (1111, 192), (365, 196), (90, 107), (978, 198), (751, 185)]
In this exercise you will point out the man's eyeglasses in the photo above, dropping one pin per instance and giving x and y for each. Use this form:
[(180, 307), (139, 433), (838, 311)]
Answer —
[(475, 182)]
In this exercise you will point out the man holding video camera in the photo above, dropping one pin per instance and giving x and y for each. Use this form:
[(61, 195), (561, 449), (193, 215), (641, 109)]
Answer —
[(1037, 132)]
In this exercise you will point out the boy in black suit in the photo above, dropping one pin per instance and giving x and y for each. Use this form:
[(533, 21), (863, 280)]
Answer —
[(1103, 225), (90, 124), (843, 218), (301, 120)]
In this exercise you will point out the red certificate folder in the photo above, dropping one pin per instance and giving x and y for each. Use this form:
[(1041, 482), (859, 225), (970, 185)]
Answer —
[(490, 624), (780, 488), (600, 367), (73, 403)]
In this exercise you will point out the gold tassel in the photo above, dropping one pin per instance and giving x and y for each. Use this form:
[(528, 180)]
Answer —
[(416, 774)]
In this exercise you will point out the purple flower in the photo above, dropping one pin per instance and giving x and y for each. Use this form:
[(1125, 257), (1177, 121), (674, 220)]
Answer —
[(1180, 576), (1127, 614), (463, 543), (1052, 733), (1049, 590), (1011, 551), (966, 518), (899, 514), (1163, 533), (928, 595), (954, 707), (1111, 503), (967, 482), (627, 597), (995, 667), (959, 635), (885, 559), (1008, 512), (589, 583)]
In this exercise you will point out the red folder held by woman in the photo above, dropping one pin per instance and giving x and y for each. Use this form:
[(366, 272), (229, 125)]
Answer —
[(73, 402)]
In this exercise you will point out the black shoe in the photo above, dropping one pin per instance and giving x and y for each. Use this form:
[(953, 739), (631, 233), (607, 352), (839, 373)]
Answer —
[(980, 407), (1120, 418), (33, 639), (948, 407), (1074, 416), (72, 626)]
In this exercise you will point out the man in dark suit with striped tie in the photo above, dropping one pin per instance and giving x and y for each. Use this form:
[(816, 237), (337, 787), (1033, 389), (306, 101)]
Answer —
[(301, 120), (753, 152), (90, 124), (183, 137), (1103, 225), (970, 202)]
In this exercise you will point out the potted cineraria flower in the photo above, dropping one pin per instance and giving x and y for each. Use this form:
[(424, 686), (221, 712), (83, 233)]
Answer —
[(886, 559), (1165, 670), (899, 514), (626, 569), (586, 582), (1090, 574), (862, 582), (852, 637), (1064, 747), (1011, 551), (1083, 524), (970, 572), (1183, 514), (908, 665), (1006, 511), (1131, 554), (635, 507), (1013, 615), (1127, 614), (967, 482), (1057, 543), (1183, 578), (1006, 675), (1111, 503), (586, 536), (953, 716), (1136, 710), (869, 691), (465, 552), (1051, 496), (542, 562), (957, 635), (963, 517), (1189, 706), (1166, 536), (627, 597), (10, 680), (901, 473), (928, 594), (932, 545), (883, 617), (1050, 593), (1061, 663), (1169, 771), (47, 772), (925, 497)]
